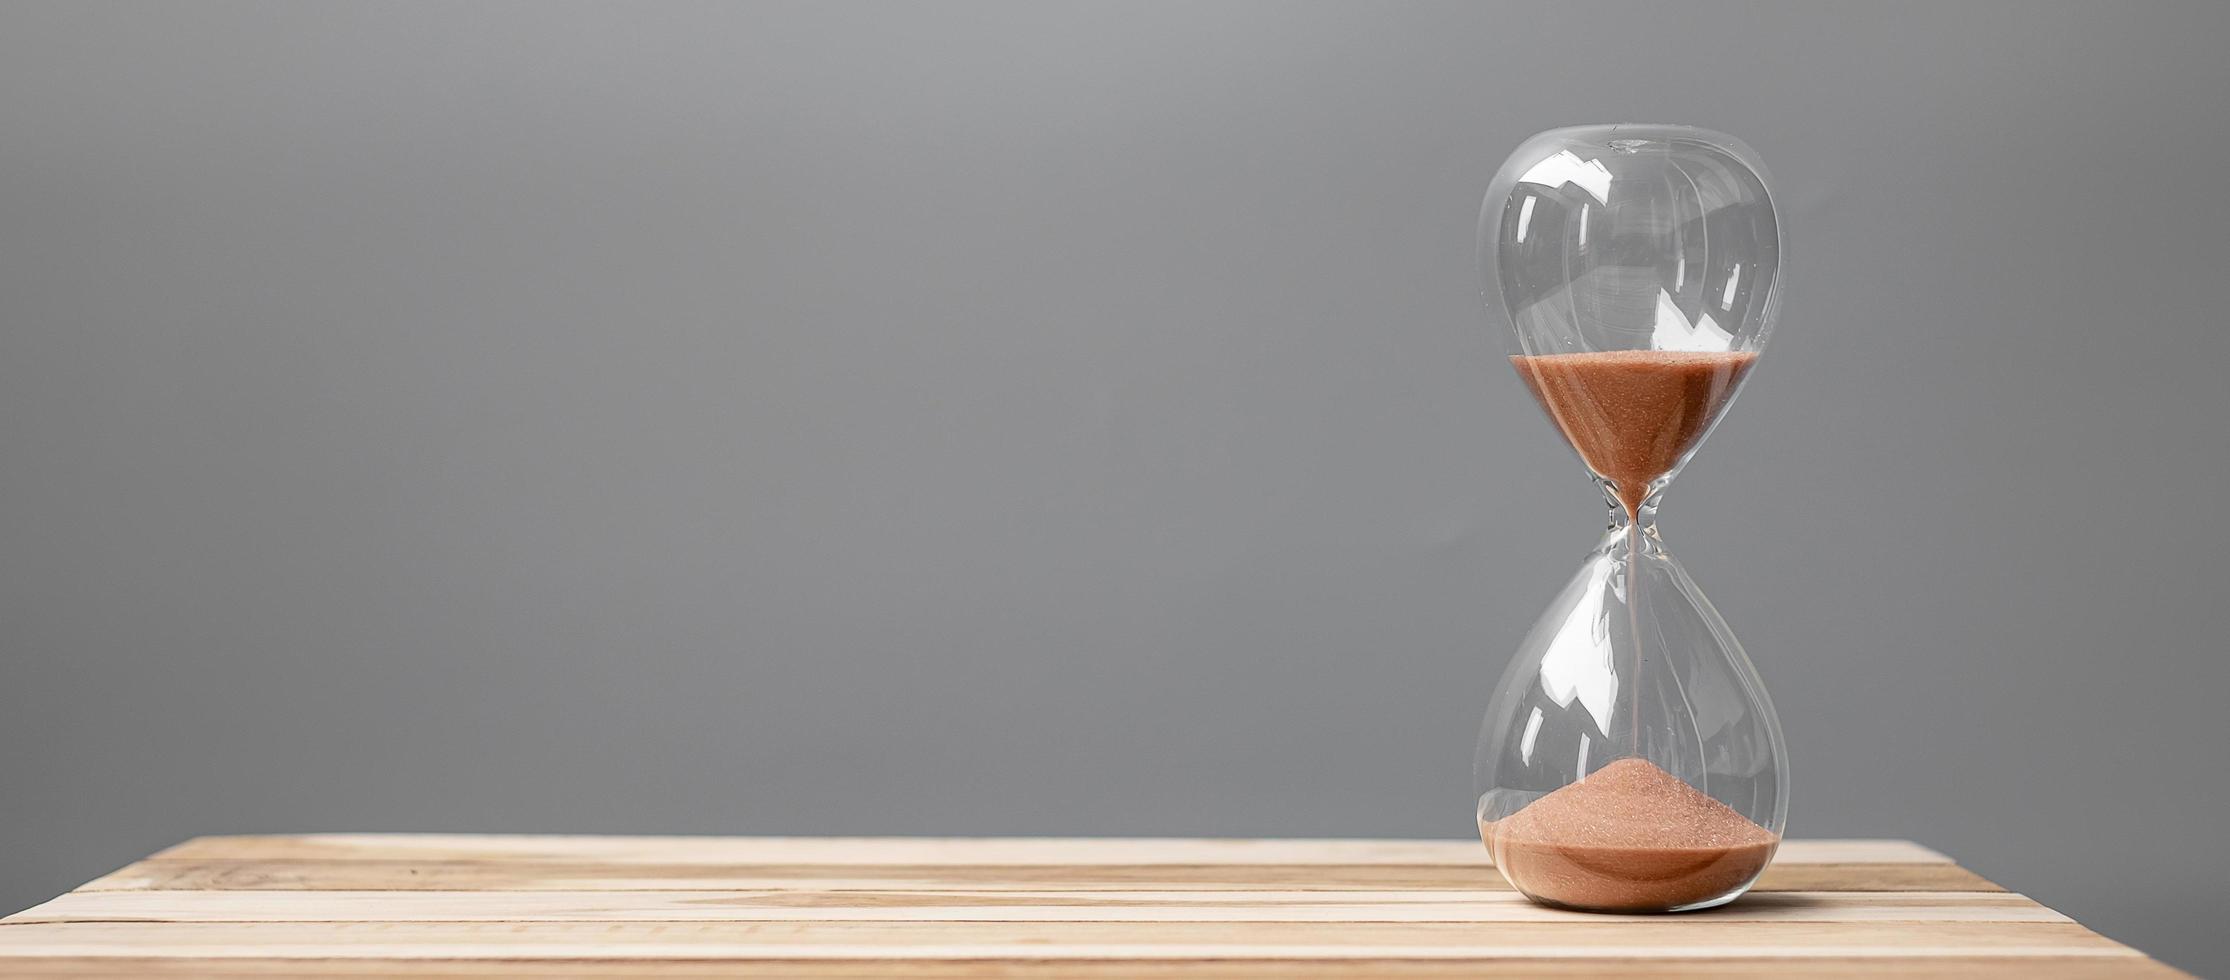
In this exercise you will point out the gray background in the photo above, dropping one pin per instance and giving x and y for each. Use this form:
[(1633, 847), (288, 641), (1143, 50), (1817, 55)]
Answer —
[(1071, 419)]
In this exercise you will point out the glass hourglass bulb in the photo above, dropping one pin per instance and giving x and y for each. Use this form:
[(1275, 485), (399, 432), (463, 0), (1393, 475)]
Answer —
[(1630, 760)]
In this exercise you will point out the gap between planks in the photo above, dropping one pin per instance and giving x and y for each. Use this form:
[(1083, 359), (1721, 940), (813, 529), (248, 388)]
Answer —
[(1015, 906), (1924, 968), (317, 874), (1037, 940), (929, 850)]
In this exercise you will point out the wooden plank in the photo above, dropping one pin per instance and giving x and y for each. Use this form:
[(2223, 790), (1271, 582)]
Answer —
[(1017, 906), (927, 850), (539, 875), (1657, 937), (1841, 968), (447, 905)]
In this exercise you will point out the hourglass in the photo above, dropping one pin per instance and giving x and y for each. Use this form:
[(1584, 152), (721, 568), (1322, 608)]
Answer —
[(1630, 761)]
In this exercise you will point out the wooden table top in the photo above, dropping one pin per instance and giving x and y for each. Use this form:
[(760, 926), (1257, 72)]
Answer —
[(428, 905)]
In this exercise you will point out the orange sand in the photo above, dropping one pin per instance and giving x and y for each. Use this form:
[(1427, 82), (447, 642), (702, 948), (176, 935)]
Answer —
[(1630, 837), (1633, 414)]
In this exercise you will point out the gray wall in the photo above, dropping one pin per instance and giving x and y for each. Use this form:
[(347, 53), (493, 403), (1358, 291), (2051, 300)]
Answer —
[(1071, 419)]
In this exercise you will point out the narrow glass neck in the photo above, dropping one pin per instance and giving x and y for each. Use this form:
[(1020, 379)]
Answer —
[(1625, 538), (1644, 512)]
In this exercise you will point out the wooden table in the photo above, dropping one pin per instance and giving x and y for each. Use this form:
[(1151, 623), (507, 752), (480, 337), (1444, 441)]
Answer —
[(693, 906)]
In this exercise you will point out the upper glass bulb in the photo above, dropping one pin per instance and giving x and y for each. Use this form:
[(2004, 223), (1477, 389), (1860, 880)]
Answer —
[(1632, 237), (1638, 270)]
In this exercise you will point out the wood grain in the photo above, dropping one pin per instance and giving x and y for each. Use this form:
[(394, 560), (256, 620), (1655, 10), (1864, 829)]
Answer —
[(974, 851), (445, 905), (929, 906), (1929, 968), (547, 875)]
